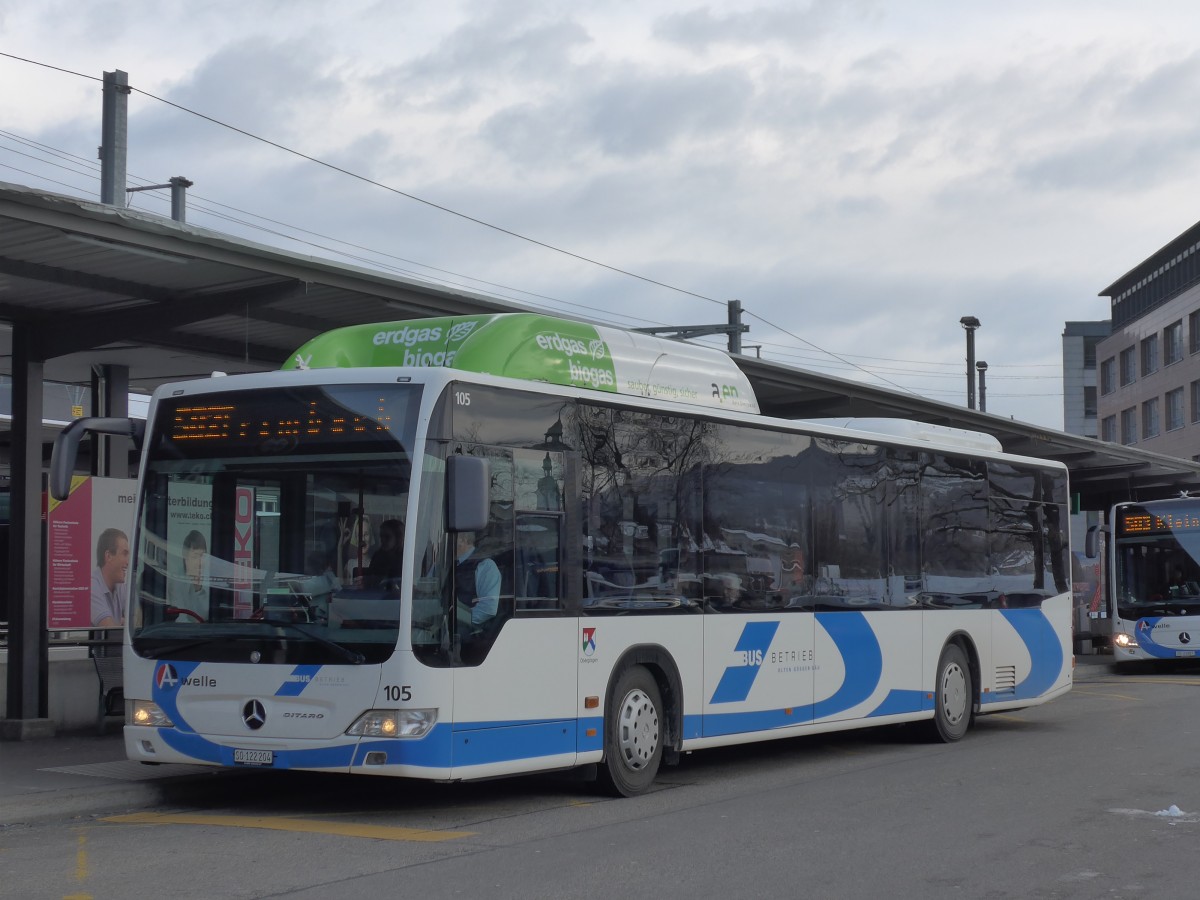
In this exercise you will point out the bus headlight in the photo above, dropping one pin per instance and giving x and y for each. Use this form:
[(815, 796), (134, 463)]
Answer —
[(404, 723), (1125, 641), (144, 712)]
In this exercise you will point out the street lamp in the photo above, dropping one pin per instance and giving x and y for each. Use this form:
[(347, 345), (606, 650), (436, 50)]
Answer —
[(981, 368), (969, 324)]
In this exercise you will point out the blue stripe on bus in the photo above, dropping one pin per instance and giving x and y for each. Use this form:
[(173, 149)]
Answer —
[(431, 751), (902, 701), (201, 748), (1045, 652), (862, 660), (735, 683), (501, 742), (481, 743), (295, 683), (719, 724), (1144, 633)]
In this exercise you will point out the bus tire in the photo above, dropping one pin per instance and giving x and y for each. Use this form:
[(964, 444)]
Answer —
[(953, 696), (633, 734)]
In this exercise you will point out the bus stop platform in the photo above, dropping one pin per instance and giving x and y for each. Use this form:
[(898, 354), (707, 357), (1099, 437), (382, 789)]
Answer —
[(84, 775)]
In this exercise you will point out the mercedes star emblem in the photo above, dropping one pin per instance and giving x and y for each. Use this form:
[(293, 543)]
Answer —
[(254, 714)]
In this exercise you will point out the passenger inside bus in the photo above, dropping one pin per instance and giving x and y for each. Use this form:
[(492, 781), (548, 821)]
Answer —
[(385, 570)]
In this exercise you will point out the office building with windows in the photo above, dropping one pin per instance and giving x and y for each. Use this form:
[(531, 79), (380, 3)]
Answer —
[(1148, 375), (1080, 390)]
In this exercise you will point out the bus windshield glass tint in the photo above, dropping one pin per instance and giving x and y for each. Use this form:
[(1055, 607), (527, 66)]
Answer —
[(272, 525)]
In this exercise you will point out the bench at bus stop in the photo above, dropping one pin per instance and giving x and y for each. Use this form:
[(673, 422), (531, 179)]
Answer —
[(105, 652)]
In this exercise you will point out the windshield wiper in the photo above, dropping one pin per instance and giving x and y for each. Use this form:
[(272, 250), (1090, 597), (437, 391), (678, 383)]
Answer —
[(173, 648), (352, 656)]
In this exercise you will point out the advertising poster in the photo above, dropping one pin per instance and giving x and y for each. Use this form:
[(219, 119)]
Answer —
[(87, 544), (189, 536)]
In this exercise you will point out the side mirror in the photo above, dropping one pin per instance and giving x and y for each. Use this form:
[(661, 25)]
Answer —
[(1091, 543), (468, 483), (66, 447)]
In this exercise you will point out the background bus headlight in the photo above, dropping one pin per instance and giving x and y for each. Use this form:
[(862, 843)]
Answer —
[(409, 723), (1124, 641), (144, 712)]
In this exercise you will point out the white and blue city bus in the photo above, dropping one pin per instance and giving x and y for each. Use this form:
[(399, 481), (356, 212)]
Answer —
[(1153, 554), (607, 557)]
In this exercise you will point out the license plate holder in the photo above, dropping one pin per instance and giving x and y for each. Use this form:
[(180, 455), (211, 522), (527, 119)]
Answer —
[(243, 757)]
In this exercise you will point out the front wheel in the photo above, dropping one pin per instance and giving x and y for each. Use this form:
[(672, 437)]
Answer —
[(953, 697), (633, 734)]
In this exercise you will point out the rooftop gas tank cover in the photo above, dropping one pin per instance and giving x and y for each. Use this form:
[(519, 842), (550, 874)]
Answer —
[(532, 347)]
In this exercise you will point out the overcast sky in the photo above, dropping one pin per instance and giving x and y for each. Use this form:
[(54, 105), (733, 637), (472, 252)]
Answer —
[(860, 175)]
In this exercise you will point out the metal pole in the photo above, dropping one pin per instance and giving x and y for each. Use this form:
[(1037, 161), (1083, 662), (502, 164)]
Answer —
[(969, 324), (179, 186), (981, 368), (114, 137), (735, 326)]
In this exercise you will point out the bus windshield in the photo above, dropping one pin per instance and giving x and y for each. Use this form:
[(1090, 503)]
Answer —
[(272, 525), (1158, 559)]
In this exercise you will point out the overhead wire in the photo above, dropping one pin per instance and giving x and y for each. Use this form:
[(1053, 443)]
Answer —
[(843, 361)]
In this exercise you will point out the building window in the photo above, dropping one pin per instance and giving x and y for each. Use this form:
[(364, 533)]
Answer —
[(1149, 355), (1173, 343), (1175, 409), (1089, 351), (1150, 418), (1195, 401), (1089, 401), (1108, 375), (1128, 372), (1194, 332), (1129, 426), (1108, 429)]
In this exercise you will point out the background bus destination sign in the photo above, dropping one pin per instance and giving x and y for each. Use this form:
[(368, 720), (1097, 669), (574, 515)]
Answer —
[(1138, 521)]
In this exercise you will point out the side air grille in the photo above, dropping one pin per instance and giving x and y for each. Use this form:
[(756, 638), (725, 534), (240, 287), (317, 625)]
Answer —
[(1006, 680)]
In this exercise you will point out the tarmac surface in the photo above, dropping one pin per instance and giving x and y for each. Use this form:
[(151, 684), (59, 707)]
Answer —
[(86, 774), (82, 774)]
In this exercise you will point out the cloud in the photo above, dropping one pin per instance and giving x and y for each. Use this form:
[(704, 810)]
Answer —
[(860, 174), (1116, 162), (792, 24), (632, 116)]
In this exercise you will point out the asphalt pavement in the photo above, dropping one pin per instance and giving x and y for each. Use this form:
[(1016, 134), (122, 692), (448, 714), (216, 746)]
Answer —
[(85, 774)]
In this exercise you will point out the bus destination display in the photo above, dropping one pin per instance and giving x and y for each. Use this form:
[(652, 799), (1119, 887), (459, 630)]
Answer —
[(1136, 522), (272, 423)]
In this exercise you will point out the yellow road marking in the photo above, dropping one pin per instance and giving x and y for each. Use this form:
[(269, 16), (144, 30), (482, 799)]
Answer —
[(279, 823), (81, 860), (1104, 694)]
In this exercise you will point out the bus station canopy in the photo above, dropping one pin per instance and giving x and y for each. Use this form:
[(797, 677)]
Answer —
[(123, 300), (85, 285)]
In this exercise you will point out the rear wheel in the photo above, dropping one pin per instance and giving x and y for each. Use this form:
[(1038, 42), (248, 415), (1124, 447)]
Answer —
[(633, 734), (954, 695)]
